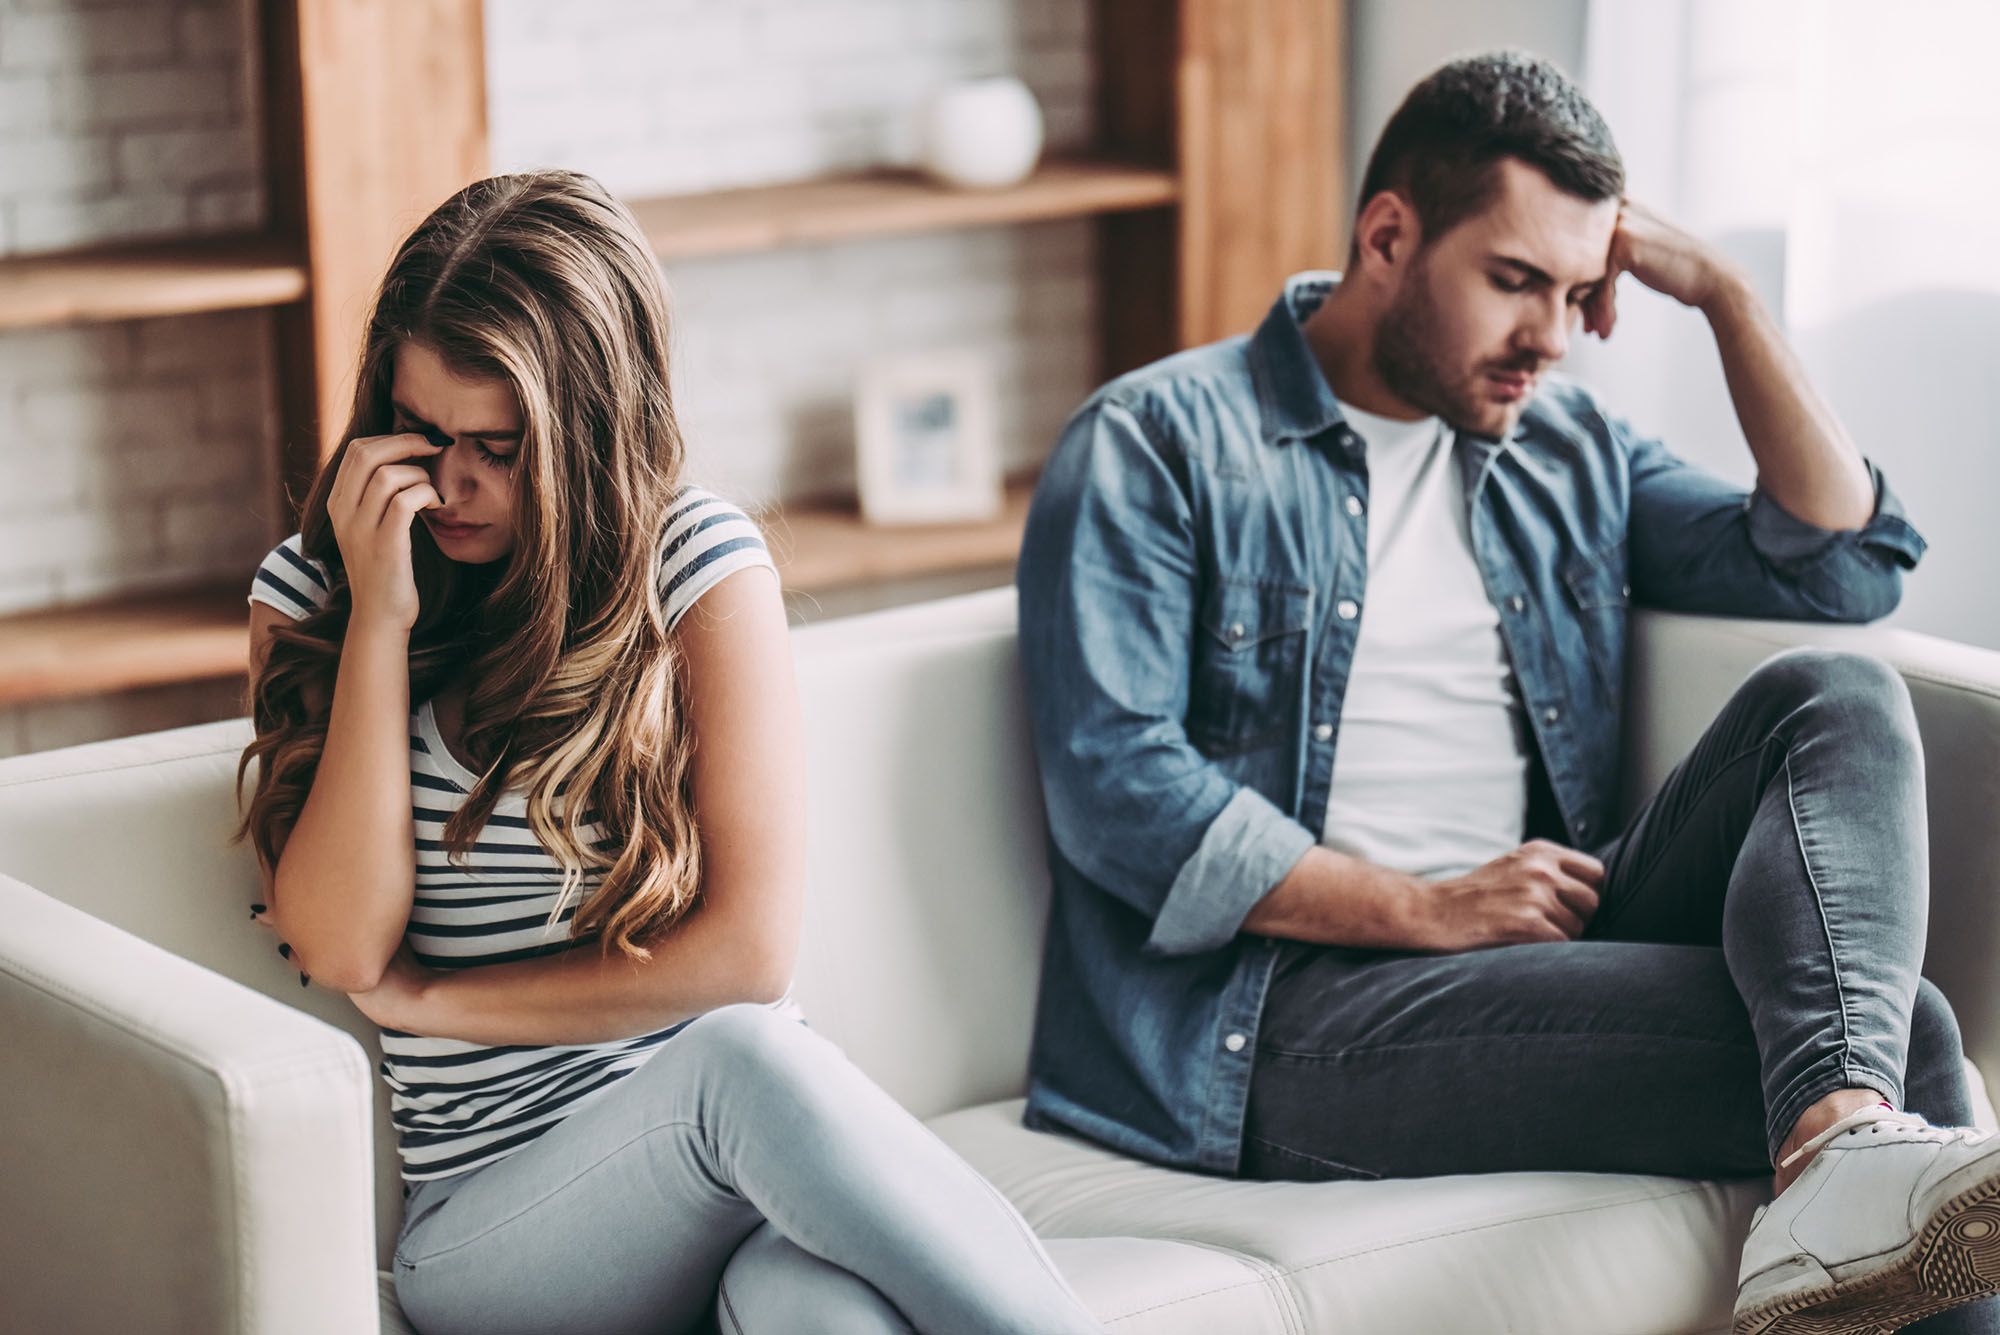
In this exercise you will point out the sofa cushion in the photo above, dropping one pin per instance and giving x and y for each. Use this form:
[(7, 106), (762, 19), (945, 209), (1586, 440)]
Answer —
[(1592, 1253)]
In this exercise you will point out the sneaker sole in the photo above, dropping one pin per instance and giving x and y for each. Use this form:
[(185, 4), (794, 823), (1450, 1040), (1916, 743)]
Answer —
[(1955, 1259)]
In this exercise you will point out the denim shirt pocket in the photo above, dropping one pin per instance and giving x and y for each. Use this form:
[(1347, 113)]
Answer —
[(1599, 593), (1249, 661)]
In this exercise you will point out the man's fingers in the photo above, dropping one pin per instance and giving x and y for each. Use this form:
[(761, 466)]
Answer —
[(1567, 920), (1581, 865), (1578, 898)]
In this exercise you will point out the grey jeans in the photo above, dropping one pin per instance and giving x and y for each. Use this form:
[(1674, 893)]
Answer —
[(1757, 946), (748, 1169)]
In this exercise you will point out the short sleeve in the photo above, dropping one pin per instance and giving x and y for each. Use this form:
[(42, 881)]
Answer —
[(707, 540), (290, 581)]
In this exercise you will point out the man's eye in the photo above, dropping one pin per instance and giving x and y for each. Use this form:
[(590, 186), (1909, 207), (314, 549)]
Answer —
[(1506, 286)]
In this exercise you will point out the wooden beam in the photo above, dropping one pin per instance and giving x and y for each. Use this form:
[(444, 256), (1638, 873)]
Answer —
[(1261, 155), (376, 113), (1135, 50)]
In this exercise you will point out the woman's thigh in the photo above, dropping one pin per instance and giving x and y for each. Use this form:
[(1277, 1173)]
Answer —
[(612, 1221), (1582, 1055)]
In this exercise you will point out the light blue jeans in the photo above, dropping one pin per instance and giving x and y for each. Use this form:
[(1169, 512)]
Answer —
[(748, 1168)]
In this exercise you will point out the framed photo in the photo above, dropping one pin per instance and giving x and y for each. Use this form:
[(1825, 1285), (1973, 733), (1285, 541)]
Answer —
[(925, 437)]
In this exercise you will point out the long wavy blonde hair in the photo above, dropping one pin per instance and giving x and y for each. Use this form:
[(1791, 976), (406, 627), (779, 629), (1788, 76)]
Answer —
[(544, 281)]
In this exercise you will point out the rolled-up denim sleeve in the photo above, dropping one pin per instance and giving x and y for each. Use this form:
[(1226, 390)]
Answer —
[(1699, 544), (1108, 578)]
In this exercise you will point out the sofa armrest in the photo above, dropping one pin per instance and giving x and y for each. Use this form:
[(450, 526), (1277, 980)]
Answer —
[(1682, 669), (182, 1153)]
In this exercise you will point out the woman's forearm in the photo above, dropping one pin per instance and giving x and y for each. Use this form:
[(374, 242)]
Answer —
[(347, 874), (584, 996)]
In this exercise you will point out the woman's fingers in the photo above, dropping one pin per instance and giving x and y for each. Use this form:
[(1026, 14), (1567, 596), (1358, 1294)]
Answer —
[(390, 480), (367, 454)]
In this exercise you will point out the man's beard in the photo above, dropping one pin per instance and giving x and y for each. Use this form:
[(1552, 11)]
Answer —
[(1408, 341)]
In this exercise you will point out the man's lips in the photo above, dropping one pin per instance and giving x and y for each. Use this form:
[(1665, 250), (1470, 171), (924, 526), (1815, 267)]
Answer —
[(1510, 385)]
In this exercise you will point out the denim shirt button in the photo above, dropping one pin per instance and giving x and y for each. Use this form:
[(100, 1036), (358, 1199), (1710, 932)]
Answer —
[(1516, 603), (1354, 505), (1235, 1042), (1236, 630), (1348, 609), (1551, 714), (1322, 731)]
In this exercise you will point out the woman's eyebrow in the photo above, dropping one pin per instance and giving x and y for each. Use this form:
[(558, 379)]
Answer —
[(417, 421)]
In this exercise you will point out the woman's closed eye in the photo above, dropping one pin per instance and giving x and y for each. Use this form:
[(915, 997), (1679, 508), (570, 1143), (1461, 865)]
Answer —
[(442, 441)]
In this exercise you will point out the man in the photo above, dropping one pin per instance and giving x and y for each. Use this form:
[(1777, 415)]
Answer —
[(1323, 630)]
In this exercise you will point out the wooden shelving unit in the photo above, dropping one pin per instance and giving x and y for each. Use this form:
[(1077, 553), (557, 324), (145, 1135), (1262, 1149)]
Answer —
[(877, 204), (1217, 171)]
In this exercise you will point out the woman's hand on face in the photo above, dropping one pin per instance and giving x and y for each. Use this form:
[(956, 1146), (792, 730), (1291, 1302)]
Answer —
[(374, 500), (396, 1002)]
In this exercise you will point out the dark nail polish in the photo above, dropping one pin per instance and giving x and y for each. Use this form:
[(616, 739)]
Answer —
[(256, 908), (304, 979), (285, 951)]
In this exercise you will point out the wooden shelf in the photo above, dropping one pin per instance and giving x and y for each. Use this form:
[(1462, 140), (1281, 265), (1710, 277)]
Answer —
[(885, 203), (188, 635), (133, 282), (203, 634), (828, 546)]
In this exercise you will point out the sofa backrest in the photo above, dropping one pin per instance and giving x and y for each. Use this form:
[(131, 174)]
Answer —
[(927, 890)]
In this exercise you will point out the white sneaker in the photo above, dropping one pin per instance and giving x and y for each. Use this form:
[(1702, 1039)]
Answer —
[(1893, 1219)]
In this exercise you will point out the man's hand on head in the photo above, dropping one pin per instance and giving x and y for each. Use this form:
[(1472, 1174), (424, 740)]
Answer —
[(1661, 256)]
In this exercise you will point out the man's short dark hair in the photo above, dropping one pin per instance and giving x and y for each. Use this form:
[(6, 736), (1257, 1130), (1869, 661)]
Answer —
[(1442, 148)]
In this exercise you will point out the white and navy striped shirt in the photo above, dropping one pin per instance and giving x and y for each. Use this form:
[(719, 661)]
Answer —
[(459, 1105)]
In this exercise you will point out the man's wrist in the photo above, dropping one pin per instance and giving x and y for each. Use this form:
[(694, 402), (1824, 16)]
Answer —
[(1408, 901), (1729, 294)]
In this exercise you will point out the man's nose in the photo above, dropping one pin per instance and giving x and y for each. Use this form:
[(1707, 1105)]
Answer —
[(1547, 336)]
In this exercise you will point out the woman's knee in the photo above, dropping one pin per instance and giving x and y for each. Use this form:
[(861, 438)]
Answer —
[(744, 1041)]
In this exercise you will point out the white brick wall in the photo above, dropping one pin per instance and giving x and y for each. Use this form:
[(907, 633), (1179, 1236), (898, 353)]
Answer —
[(136, 455), (669, 96)]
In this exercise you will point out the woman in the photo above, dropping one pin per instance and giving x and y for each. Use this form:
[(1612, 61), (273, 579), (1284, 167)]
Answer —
[(567, 886)]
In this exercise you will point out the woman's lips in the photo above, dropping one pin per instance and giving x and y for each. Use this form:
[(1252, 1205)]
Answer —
[(444, 530)]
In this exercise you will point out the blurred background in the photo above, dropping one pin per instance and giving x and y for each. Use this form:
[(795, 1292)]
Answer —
[(197, 196)]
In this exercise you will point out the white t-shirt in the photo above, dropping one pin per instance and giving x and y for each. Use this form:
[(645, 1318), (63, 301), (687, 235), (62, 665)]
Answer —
[(1430, 767)]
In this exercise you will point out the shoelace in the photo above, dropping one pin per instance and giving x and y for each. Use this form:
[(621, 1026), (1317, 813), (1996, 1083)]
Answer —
[(1878, 1117)]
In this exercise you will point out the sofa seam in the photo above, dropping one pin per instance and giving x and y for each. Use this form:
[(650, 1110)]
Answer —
[(1501, 1223), (147, 763)]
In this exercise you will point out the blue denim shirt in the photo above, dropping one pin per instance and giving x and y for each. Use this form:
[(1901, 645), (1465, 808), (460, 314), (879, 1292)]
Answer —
[(1191, 585)]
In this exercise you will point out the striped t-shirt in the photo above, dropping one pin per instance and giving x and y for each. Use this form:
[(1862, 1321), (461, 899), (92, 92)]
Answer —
[(459, 1105)]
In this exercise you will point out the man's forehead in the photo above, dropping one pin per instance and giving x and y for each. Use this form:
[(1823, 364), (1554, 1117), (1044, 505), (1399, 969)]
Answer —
[(1532, 220)]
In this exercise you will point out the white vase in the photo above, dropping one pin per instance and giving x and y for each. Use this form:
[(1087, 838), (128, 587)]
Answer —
[(981, 133)]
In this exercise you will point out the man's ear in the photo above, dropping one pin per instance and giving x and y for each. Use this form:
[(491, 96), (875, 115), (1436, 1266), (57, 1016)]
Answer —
[(1386, 234)]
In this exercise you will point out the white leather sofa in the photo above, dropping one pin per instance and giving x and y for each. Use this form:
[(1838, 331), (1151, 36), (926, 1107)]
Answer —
[(194, 1143)]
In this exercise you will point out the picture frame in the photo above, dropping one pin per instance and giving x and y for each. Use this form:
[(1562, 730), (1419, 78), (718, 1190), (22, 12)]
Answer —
[(926, 440)]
